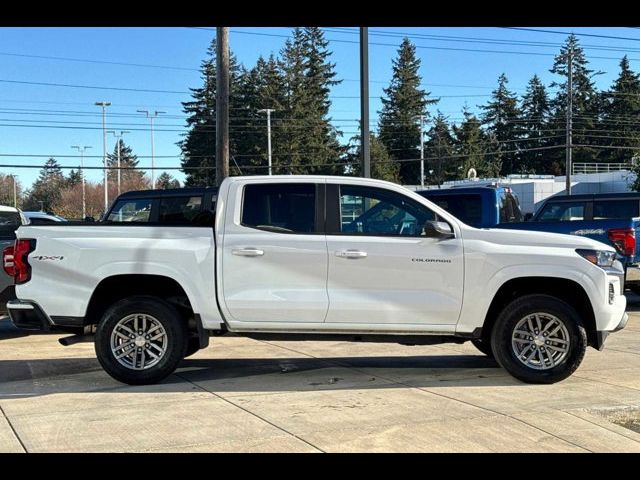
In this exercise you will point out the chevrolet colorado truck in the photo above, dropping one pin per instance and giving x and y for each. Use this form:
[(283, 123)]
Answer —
[(299, 257)]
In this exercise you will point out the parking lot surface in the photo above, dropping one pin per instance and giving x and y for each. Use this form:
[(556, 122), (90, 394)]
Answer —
[(242, 395)]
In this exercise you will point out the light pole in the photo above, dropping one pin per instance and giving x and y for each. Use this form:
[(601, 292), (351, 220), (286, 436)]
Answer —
[(15, 191), (104, 106), (81, 150), (268, 112), (151, 116), (421, 119), (118, 137)]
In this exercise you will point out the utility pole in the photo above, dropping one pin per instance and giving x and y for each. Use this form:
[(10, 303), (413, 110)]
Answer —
[(365, 141), (151, 116), (569, 152), (268, 112), (84, 203), (118, 137), (104, 106), (15, 191), (421, 119), (222, 104)]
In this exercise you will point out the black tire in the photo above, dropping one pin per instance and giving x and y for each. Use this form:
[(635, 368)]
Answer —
[(483, 346), (501, 338), (193, 346), (166, 315)]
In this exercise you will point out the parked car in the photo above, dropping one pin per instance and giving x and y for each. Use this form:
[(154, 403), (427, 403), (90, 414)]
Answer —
[(43, 218), (613, 219), (175, 206), (300, 257), (480, 207), (10, 219)]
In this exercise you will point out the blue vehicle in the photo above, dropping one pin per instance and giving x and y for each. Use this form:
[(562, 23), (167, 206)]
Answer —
[(480, 207), (613, 219)]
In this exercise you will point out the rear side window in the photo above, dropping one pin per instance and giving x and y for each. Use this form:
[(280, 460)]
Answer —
[(282, 208), (135, 211), (9, 222), (562, 212), (615, 209), (467, 208), (179, 210), (509, 208)]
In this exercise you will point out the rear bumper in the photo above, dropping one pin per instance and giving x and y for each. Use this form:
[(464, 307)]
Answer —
[(28, 315), (9, 293)]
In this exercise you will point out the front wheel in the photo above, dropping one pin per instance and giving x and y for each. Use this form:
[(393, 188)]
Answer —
[(140, 340), (539, 339)]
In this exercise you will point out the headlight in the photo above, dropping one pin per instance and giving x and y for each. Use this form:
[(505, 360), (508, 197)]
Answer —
[(601, 258)]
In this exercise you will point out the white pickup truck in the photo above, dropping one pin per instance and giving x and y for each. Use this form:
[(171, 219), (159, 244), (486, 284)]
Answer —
[(315, 257)]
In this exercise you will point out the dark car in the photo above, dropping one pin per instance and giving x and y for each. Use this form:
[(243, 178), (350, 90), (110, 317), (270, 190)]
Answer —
[(10, 219), (174, 206)]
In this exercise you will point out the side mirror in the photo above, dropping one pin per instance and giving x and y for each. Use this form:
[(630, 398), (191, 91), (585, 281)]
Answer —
[(434, 229), (528, 217)]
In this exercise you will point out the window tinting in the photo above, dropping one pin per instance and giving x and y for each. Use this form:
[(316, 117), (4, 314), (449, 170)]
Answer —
[(615, 209), (136, 211), (374, 211), (562, 212), (283, 208), (9, 222), (509, 208), (179, 210), (467, 208)]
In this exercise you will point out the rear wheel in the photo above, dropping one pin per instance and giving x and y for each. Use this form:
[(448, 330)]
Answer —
[(539, 339), (140, 340)]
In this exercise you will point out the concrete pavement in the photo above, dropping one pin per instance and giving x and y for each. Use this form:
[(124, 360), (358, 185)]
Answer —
[(244, 395)]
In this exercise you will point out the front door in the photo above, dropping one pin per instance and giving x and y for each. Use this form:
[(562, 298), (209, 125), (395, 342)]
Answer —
[(274, 259), (382, 268)]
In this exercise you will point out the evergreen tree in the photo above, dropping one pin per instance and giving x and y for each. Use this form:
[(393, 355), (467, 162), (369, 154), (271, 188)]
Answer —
[(620, 111), (535, 109), (199, 145), (585, 103), (128, 162), (402, 104), (501, 116), (472, 144), (46, 190), (74, 178), (166, 180), (440, 164), (382, 167)]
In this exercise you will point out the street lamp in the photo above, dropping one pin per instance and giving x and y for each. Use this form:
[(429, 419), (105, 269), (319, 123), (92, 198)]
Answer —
[(118, 137), (81, 150), (151, 116), (268, 112), (104, 106)]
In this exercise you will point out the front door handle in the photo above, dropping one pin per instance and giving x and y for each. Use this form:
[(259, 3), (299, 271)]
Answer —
[(351, 254), (248, 252)]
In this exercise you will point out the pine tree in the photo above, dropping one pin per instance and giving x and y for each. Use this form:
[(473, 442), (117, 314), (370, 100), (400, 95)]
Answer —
[(620, 111), (74, 178), (199, 145), (46, 190), (402, 104), (472, 144), (382, 167), (166, 180), (501, 117), (535, 108), (130, 177), (440, 164), (585, 103)]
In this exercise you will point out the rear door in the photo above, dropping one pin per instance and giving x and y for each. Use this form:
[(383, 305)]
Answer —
[(274, 257)]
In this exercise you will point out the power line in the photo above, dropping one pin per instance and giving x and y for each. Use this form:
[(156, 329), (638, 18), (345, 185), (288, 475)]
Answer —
[(573, 33)]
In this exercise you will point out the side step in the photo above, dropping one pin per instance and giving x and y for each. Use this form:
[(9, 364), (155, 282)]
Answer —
[(350, 337)]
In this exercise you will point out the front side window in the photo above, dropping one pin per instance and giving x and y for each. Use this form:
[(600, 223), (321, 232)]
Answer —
[(134, 211), (374, 211), (280, 207), (562, 212), (179, 210)]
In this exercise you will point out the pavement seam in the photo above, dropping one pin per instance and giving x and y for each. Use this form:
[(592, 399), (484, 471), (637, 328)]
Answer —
[(434, 393), (606, 383), (15, 433), (250, 412), (601, 426)]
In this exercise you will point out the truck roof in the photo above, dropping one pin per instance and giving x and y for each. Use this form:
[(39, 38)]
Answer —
[(459, 190), (168, 192), (595, 196), (5, 208)]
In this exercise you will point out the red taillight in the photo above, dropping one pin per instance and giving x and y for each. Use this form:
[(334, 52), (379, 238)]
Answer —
[(624, 239), (7, 261), (21, 267)]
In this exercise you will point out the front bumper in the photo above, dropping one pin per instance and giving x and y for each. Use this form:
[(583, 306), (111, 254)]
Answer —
[(28, 315), (601, 336)]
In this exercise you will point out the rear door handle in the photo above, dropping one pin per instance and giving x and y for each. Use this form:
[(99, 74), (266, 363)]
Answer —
[(351, 254), (248, 252)]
